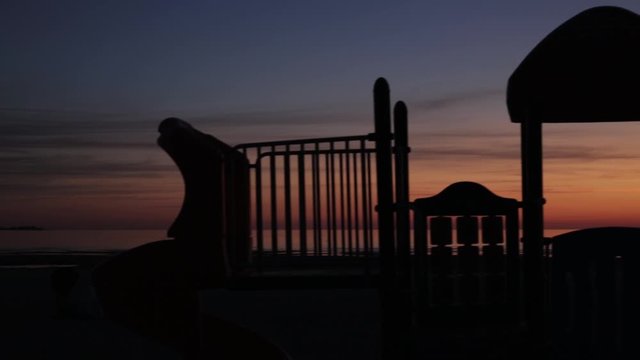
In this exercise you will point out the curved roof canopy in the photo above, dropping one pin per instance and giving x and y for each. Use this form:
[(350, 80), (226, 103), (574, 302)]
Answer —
[(586, 70)]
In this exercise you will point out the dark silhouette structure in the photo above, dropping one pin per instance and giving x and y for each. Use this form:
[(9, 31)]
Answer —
[(153, 288), (63, 280), (467, 270), (261, 215), (584, 71), (595, 294), (485, 242), (214, 219)]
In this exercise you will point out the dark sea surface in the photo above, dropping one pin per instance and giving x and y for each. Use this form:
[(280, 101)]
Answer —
[(77, 240), (98, 240)]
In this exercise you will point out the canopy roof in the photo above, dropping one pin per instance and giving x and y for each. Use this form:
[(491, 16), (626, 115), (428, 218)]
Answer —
[(586, 70)]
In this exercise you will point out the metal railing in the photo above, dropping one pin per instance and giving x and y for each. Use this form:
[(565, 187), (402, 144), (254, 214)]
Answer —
[(313, 197)]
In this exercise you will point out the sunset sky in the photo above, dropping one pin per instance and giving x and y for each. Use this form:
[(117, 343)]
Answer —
[(84, 84)]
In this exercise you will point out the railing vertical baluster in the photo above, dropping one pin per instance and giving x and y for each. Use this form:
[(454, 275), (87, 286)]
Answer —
[(334, 237), (342, 209), (287, 202), (365, 208), (328, 203), (356, 212), (370, 198), (259, 225), (302, 211), (314, 202), (274, 202), (348, 173), (317, 204), (319, 183)]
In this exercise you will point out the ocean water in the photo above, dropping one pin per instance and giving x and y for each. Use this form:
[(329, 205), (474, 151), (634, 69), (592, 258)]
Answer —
[(108, 240), (77, 240)]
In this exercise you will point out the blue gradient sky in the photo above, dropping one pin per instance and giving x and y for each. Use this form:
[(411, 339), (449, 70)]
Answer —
[(84, 84)]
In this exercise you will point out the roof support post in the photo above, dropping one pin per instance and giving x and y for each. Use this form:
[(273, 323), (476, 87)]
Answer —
[(533, 225)]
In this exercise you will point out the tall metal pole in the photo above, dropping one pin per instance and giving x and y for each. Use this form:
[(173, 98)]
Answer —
[(401, 154), (382, 118), (533, 225), (403, 250)]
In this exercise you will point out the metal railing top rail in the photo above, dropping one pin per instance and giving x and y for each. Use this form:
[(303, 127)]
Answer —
[(315, 152), (367, 137)]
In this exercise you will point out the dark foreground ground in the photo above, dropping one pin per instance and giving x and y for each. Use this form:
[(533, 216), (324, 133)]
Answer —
[(31, 328), (306, 324)]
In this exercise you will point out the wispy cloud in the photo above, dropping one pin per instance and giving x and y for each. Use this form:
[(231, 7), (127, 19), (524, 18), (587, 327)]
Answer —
[(512, 152), (49, 153), (276, 118), (456, 99), (21, 143), (492, 144), (81, 165), (50, 111), (59, 123)]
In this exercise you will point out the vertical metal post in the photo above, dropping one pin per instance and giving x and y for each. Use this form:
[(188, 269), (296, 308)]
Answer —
[(259, 224), (370, 199), (365, 202), (369, 196), (356, 213), (533, 225), (274, 202), (302, 205), (401, 150), (287, 203), (334, 207), (403, 251), (342, 209), (328, 204), (349, 223), (420, 246), (315, 173), (382, 117)]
